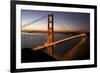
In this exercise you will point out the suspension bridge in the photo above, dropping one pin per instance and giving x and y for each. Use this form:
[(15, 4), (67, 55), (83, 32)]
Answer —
[(50, 33)]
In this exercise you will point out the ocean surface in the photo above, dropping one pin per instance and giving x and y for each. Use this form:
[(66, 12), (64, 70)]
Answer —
[(33, 40)]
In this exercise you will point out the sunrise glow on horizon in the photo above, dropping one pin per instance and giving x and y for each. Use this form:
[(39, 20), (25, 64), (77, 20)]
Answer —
[(68, 21)]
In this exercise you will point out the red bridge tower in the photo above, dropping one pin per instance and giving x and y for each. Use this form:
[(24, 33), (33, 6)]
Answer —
[(50, 37)]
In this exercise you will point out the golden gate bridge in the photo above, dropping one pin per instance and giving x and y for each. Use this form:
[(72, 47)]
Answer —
[(50, 34)]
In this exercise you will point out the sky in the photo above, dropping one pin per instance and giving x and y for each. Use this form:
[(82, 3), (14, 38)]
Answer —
[(63, 21)]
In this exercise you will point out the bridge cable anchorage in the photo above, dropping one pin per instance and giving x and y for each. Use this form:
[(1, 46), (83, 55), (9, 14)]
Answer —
[(60, 41), (34, 21)]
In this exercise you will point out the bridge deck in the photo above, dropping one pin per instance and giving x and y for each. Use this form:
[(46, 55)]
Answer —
[(59, 41)]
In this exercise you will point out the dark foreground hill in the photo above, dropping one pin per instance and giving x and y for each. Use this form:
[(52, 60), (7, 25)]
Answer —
[(28, 55)]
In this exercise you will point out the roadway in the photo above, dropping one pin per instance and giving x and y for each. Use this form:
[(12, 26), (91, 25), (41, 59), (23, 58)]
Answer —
[(59, 41)]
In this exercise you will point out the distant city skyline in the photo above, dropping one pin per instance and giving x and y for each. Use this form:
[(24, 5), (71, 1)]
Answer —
[(63, 21)]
